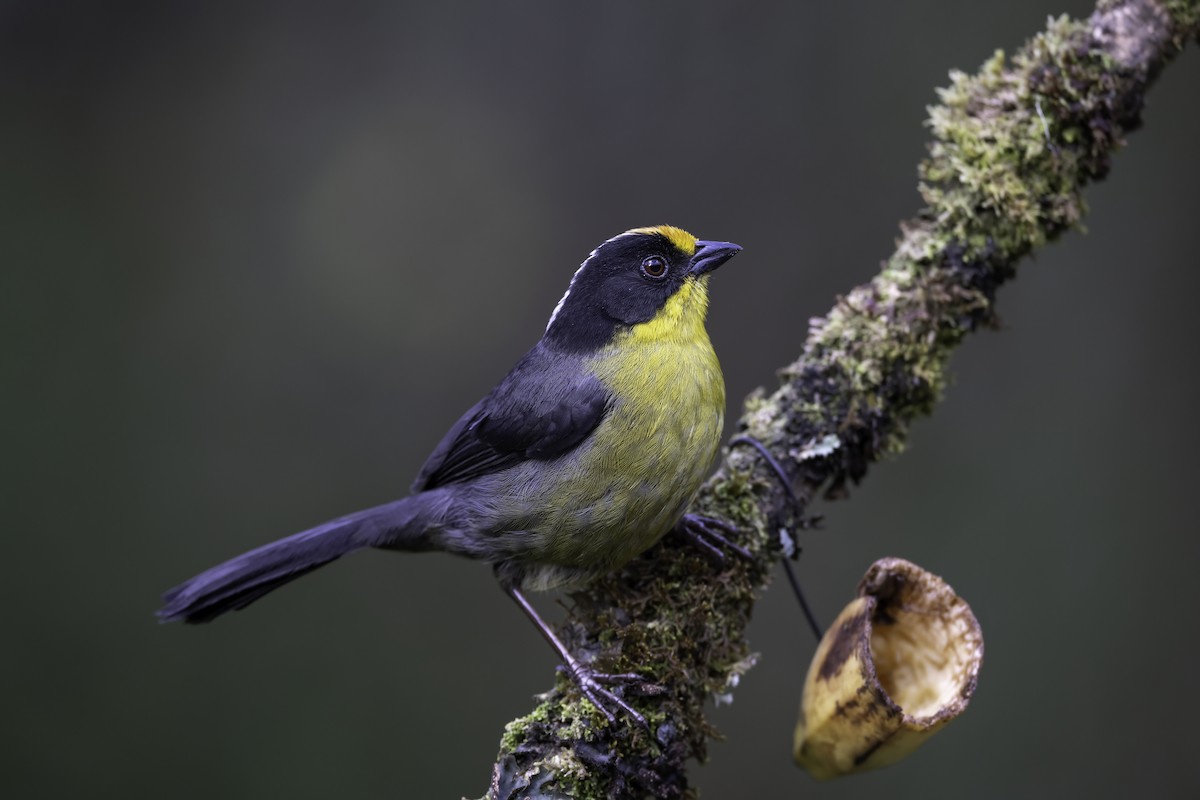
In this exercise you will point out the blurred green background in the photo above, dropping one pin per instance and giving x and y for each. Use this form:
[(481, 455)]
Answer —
[(257, 257)]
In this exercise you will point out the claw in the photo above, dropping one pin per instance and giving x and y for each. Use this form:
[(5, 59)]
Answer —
[(591, 684), (707, 533), (620, 677)]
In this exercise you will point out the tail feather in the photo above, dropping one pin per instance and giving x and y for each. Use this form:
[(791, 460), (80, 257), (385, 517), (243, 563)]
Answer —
[(240, 581)]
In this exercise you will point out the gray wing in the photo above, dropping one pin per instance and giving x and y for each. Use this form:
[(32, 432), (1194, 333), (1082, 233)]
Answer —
[(545, 407)]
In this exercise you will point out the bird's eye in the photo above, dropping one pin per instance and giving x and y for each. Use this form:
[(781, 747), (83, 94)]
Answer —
[(654, 267)]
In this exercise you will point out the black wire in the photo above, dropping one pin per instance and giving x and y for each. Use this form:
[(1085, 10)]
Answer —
[(808, 614), (791, 493)]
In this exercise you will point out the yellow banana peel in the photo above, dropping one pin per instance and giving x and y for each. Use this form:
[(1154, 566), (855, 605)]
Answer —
[(898, 663)]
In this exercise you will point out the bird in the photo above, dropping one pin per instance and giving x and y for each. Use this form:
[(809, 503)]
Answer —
[(583, 456)]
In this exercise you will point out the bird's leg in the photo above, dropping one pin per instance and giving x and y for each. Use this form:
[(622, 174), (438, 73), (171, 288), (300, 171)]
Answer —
[(588, 680), (791, 493)]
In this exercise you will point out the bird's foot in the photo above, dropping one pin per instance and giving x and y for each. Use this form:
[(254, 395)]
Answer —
[(709, 534), (592, 685)]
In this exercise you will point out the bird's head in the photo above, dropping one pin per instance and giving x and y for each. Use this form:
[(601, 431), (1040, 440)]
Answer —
[(651, 283)]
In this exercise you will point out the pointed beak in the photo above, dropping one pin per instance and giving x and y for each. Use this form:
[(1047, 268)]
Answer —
[(710, 255)]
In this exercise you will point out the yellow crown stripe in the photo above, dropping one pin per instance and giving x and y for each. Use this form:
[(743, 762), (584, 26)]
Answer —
[(676, 236)]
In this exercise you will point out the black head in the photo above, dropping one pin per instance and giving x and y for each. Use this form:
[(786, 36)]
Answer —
[(629, 279)]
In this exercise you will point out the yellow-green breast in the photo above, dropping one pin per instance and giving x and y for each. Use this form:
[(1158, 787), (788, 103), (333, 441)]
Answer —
[(659, 439)]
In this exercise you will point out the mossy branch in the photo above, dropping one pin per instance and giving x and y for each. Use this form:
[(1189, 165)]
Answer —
[(1013, 147)]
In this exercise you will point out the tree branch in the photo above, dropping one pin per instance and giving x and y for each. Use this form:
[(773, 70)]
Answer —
[(1014, 146)]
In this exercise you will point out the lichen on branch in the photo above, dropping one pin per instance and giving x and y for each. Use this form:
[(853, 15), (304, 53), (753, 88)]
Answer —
[(1013, 147)]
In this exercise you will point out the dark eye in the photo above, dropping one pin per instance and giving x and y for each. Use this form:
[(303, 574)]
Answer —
[(654, 266)]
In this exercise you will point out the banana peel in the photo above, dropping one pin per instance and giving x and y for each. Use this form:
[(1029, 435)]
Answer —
[(896, 666)]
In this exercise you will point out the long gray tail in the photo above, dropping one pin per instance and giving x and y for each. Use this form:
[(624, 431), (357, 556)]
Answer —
[(402, 525)]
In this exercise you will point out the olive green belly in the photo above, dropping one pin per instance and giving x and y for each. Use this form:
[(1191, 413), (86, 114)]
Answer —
[(617, 493)]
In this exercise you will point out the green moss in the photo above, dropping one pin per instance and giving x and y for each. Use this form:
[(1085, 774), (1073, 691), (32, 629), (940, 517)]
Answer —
[(516, 731), (1185, 14), (572, 777), (996, 179)]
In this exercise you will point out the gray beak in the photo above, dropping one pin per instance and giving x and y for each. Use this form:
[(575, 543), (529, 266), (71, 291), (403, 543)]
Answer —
[(710, 255)]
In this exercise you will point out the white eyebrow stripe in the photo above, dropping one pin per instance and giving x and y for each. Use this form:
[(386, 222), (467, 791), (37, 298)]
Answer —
[(571, 285)]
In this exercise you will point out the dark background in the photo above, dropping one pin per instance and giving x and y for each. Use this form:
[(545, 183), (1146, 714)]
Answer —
[(257, 257)]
